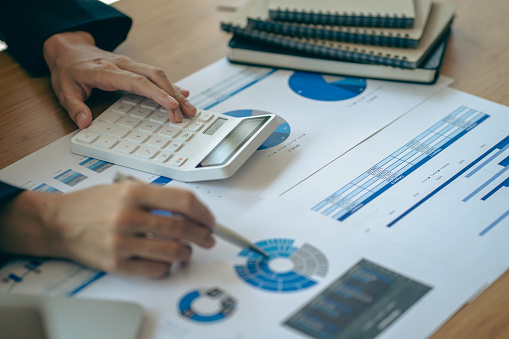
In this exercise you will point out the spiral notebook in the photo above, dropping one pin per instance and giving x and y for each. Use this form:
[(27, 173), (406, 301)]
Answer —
[(439, 21), (246, 51), (255, 14), (375, 13)]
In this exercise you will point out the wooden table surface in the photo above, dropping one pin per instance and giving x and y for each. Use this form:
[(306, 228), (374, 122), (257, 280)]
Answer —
[(183, 36)]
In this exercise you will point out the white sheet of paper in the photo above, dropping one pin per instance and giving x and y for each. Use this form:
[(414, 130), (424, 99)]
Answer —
[(248, 203), (260, 311), (451, 203)]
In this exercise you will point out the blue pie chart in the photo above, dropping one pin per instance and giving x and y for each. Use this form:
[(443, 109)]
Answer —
[(277, 137), (326, 87)]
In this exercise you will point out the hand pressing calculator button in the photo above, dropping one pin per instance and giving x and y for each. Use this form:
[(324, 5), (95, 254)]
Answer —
[(135, 132)]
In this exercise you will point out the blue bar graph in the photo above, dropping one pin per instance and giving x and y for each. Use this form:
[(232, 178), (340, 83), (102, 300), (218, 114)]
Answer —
[(499, 146), (495, 223), (388, 172), (96, 165), (70, 177)]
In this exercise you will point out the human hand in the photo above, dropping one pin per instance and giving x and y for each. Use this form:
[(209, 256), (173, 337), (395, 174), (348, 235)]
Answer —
[(106, 227), (77, 66)]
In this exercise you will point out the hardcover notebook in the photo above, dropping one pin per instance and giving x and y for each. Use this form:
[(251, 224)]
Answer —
[(255, 14), (376, 13), (439, 21), (246, 51)]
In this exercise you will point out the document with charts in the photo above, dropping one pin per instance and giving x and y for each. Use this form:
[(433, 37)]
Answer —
[(436, 181), (325, 124)]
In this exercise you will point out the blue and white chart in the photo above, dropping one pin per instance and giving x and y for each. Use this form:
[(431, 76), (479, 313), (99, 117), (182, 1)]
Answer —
[(207, 305), (439, 183), (287, 269), (326, 87)]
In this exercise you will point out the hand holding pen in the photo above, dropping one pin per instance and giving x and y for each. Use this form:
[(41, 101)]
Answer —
[(220, 230)]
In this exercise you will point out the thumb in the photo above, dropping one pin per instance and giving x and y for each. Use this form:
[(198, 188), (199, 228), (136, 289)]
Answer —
[(78, 111)]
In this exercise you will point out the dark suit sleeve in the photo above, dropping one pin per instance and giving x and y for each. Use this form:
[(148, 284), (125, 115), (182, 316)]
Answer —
[(26, 24), (7, 194)]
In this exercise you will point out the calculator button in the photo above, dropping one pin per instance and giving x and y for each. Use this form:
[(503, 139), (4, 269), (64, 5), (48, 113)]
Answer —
[(181, 124), (106, 142), (158, 142), (146, 153), (163, 156), (129, 122), (139, 112), (150, 104), (126, 147), (138, 137), (206, 116), (170, 132), (159, 117), (110, 116), (186, 136), (108, 129), (148, 127), (178, 161), (86, 137), (196, 126), (175, 146), (120, 107), (132, 99)]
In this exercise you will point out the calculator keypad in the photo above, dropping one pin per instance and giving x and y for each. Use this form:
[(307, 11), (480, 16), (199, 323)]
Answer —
[(140, 127)]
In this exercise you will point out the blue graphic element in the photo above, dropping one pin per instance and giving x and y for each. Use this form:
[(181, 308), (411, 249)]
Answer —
[(257, 272), (498, 146), (70, 177), (326, 88), (227, 305), (161, 181), (395, 167), (277, 137), (96, 165)]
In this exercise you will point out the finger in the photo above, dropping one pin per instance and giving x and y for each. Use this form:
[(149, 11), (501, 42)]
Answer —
[(126, 80), (182, 201), (150, 268), (182, 91), (74, 104), (159, 78), (171, 228), (166, 251)]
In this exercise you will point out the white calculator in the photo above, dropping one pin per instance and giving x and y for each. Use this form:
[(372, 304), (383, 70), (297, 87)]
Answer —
[(136, 132)]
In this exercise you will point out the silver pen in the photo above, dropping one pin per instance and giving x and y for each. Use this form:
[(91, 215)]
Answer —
[(218, 229)]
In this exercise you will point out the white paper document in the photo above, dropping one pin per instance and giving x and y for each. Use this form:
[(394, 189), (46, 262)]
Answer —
[(320, 280), (435, 181), (383, 207)]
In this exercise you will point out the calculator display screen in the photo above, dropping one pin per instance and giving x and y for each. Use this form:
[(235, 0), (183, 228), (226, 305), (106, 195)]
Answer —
[(215, 126), (231, 143)]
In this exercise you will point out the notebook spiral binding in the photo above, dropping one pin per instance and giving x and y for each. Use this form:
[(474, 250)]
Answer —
[(322, 48), (342, 18), (335, 33)]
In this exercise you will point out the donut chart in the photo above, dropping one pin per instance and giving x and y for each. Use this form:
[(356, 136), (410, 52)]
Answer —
[(326, 87), (223, 305), (287, 269), (277, 137)]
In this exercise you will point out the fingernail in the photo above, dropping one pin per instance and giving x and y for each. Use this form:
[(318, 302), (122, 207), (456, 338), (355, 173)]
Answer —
[(189, 105), (80, 119), (172, 100), (178, 114)]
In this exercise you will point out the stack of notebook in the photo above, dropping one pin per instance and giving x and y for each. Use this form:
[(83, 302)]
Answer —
[(384, 39)]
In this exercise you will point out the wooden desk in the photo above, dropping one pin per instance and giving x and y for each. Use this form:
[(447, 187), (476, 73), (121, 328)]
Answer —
[(183, 36)]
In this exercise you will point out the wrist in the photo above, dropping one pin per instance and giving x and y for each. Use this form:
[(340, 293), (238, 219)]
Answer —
[(59, 43), (25, 225)]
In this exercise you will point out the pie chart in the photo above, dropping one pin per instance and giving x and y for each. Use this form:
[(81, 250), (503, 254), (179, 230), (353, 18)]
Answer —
[(277, 137), (287, 268), (321, 87)]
